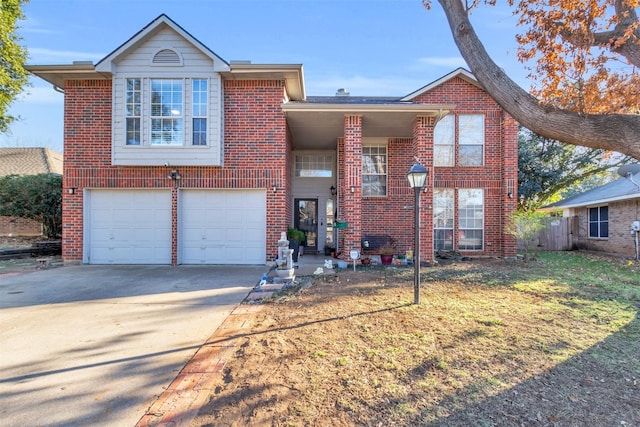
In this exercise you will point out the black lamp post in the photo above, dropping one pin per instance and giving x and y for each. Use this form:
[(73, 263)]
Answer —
[(417, 176)]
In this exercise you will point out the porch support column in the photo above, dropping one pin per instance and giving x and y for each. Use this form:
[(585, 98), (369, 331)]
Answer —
[(423, 150), (351, 201)]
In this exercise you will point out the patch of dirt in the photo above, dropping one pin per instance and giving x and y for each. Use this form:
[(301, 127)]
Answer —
[(26, 264), (490, 344)]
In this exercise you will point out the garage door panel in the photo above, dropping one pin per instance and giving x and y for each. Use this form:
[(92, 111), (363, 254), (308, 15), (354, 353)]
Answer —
[(129, 227), (218, 226)]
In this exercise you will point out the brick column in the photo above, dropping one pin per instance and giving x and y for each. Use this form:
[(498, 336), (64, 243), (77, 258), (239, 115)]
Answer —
[(423, 150), (174, 224), (509, 138), (351, 202)]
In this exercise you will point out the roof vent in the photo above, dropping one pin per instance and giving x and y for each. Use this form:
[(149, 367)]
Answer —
[(167, 57), (342, 92)]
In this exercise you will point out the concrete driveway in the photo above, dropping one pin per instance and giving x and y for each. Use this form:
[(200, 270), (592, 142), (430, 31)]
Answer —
[(96, 345)]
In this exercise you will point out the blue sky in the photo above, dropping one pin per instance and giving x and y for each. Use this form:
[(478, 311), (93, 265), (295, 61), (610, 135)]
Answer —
[(369, 47)]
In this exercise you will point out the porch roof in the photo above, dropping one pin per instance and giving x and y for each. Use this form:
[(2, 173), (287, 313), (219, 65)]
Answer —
[(318, 122)]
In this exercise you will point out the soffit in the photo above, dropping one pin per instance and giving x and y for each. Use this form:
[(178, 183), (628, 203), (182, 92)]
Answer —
[(318, 126)]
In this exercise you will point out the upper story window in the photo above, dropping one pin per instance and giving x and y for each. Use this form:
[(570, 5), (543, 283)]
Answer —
[(470, 139), (599, 222), (443, 142), (167, 121), (313, 165), (157, 113), (374, 170)]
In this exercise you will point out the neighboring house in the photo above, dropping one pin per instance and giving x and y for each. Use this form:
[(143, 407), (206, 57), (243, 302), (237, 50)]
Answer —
[(175, 156), (600, 219), (26, 161)]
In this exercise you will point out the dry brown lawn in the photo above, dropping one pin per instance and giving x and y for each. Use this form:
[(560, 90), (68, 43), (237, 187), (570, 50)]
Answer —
[(554, 342)]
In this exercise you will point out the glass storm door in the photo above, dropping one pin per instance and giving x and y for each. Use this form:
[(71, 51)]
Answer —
[(306, 219)]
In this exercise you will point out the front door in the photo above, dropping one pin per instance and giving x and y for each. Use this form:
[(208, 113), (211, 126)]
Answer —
[(306, 219)]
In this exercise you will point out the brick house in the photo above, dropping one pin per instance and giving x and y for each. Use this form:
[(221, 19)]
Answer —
[(601, 219), (175, 156), (26, 161)]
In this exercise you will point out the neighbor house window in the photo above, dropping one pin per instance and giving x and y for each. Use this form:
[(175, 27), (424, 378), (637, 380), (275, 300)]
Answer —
[(313, 165), (470, 219), (443, 142), (471, 139), (374, 170), (599, 222), (167, 120), (133, 111), (166, 111), (200, 96), (443, 201)]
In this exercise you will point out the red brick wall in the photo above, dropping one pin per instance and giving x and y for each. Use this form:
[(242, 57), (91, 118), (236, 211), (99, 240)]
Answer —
[(393, 215), (620, 240), (19, 227), (255, 155), (501, 153)]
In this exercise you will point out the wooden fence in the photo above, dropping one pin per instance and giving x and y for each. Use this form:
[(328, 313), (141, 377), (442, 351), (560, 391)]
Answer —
[(557, 235)]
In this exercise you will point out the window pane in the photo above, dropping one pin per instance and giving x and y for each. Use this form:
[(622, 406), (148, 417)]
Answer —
[(604, 229), (313, 166), (166, 131), (166, 112), (604, 213), (199, 131), (593, 229), (166, 98), (471, 129), (132, 111), (374, 170), (443, 155), (593, 214), (443, 140), (443, 212), (470, 155), (133, 131), (470, 219)]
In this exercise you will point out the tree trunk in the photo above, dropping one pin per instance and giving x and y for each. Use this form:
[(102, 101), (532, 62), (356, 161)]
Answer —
[(614, 132)]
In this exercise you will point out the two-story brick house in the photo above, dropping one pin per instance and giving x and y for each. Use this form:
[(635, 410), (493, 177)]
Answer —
[(174, 156)]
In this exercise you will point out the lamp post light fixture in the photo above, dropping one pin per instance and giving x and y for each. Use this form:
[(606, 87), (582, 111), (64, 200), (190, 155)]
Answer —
[(334, 190), (417, 176)]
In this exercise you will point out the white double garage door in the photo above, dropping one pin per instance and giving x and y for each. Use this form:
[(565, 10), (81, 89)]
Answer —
[(214, 226)]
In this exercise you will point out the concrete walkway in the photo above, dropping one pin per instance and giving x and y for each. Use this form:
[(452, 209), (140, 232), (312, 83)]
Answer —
[(97, 345)]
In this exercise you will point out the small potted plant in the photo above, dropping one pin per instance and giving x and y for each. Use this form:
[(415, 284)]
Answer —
[(296, 239), (386, 254), (328, 249)]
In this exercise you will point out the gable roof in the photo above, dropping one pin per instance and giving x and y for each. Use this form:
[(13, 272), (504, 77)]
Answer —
[(458, 72), (618, 190), (29, 161), (105, 64)]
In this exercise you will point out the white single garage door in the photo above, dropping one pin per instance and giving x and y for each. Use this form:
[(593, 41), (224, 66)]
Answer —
[(128, 227), (222, 226)]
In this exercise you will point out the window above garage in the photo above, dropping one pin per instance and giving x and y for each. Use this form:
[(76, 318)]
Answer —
[(165, 118)]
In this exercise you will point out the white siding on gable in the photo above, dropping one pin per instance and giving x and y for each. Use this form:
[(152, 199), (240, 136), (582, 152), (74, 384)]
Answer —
[(195, 65)]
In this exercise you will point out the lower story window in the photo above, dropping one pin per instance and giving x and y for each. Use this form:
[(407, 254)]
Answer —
[(443, 219), (470, 220), (599, 222)]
